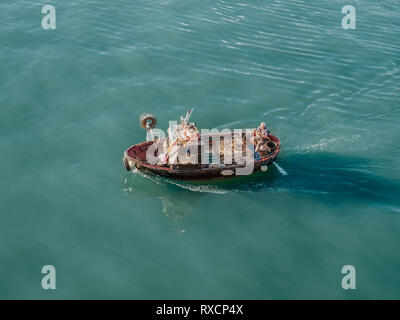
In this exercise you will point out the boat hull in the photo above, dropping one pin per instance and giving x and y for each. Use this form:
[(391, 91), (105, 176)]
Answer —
[(134, 157)]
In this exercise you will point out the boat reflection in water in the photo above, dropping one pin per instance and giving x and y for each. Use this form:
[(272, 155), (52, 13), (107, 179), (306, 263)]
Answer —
[(180, 198), (177, 198)]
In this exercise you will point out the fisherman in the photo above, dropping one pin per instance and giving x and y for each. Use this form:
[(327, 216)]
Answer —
[(261, 137), (262, 131)]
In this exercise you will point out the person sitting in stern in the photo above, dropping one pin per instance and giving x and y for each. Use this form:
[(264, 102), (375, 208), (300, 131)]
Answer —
[(262, 131), (261, 137)]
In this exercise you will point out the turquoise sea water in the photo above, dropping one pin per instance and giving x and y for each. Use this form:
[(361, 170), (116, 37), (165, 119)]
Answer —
[(70, 99)]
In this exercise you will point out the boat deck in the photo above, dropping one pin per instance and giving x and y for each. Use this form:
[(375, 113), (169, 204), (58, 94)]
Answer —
[(138, 152)]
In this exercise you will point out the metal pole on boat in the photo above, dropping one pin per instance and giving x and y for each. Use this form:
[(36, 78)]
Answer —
[(188, 115), (149, 129), (184, 122), (152, 136)]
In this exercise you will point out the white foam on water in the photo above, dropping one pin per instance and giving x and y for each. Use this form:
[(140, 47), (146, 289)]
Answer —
[(326, 144), (199, 188), (191, 187), (281, 170)]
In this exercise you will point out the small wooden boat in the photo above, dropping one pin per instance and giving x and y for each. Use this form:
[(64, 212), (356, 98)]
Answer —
[(135, 157)]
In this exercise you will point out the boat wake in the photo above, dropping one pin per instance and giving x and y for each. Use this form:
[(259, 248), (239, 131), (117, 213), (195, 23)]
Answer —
[(281, 170), (325, 144), (201, 188), (183, 185)]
